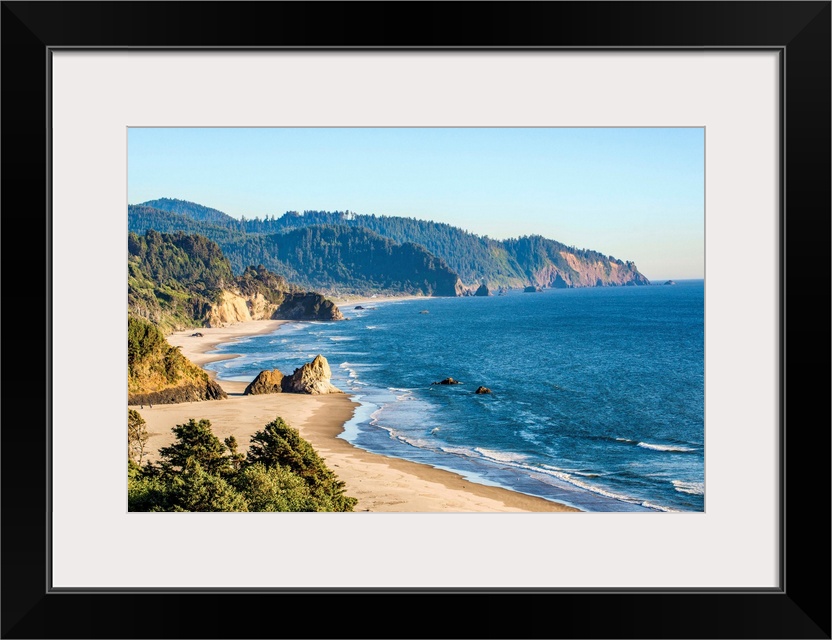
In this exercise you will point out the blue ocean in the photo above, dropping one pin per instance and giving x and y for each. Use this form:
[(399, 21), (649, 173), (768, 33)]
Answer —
[(597, 393)]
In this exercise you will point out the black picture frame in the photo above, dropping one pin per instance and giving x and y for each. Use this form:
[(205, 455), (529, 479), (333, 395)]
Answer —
[(799, 608)]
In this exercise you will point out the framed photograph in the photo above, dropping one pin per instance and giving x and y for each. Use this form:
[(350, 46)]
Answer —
[(727, 104)]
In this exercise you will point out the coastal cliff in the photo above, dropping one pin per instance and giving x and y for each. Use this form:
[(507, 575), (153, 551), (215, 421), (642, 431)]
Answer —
[(158, 373)]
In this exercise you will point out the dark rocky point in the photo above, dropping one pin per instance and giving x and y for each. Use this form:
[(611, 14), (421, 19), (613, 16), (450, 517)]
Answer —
[(482, 390), (447, 381), (191, 392)]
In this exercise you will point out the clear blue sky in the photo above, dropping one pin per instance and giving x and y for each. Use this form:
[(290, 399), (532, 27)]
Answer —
[(636, 194)]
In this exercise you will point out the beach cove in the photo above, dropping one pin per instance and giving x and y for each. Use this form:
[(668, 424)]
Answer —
[(380, 483)]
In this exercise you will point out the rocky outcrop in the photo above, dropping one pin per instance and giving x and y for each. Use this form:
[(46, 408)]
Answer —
[(482, 390), (230, 309), (313, 378), (306, 306), (482, 291), (531, 289), (233, 308), (191, 392), (265, 382), (447, 381), (670, 282)]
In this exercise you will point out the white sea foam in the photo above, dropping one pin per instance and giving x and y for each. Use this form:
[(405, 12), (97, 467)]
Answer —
[(693, 488), (500, 456), (459, 451), (414, 442), (658, 507), (664, 447), (570, 479), (593, 488)]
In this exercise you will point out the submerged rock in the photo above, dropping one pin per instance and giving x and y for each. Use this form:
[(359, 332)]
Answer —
[(313, 377), (482, 390), (265, 382), (447, 381)]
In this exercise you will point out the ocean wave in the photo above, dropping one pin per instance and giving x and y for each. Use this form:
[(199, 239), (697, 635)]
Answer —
[(659, 507), (419, 443), (570, 479), (693, 488), (501, 456), (665, 447)]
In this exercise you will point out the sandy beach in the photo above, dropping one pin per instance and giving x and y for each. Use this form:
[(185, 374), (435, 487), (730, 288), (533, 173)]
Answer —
[(380, 483)]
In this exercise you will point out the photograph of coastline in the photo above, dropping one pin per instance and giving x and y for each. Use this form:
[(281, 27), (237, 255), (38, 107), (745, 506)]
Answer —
[(416, 319)]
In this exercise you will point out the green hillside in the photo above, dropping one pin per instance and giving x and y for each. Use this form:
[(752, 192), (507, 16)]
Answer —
[(529, 260)]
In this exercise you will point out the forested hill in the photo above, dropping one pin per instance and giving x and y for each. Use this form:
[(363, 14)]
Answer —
[(177, 281), (330, 258), (513, 263)]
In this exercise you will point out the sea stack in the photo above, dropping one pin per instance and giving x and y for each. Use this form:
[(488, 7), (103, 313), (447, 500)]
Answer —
[(313, 377), (265, 382)]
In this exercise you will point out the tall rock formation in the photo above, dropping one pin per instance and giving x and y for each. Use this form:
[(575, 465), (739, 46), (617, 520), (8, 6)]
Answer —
[(313, 377)]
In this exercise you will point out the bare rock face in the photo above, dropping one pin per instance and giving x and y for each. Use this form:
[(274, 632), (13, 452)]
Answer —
[(265, 382), (231, 309), (313, 377)]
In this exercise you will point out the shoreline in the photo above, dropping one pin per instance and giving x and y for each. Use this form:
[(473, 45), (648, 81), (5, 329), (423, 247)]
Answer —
[(380, 483)]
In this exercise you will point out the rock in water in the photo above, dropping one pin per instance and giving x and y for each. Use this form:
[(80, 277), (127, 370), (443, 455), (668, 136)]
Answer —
[(482, 291), (482, 390), (530, 289), (313, 377), (265, 382), (447, 381)]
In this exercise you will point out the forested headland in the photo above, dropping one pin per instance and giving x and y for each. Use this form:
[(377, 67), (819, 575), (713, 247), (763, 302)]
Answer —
[(351, 252)]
